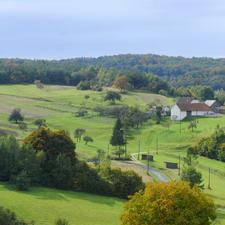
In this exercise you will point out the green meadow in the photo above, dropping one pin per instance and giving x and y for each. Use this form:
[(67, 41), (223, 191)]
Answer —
[(57, 104), (45, 206)]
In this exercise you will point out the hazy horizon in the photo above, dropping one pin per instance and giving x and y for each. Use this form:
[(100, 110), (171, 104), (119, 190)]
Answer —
[(50, 29)]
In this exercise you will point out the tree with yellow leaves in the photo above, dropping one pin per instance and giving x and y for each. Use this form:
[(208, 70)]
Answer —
[(174, 203)]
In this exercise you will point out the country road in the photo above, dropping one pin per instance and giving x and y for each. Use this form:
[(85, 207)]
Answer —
[(160, 176)]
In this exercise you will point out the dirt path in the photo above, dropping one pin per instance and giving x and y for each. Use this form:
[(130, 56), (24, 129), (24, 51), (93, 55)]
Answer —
[(131, 165)]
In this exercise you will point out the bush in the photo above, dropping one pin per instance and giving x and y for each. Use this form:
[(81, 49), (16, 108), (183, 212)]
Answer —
[(22, 125), (40, 123), (22, 181), (112, 96), (124, 183), (81, 113), (87, 179), (192, 176), (214, 146), (84, 85), (9, 218), (61, 222), (87, 139)]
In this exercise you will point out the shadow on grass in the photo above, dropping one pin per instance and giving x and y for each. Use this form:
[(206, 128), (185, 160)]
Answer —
[(43, 193)]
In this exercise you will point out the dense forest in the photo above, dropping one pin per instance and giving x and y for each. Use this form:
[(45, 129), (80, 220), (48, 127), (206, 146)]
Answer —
[(163, 71)]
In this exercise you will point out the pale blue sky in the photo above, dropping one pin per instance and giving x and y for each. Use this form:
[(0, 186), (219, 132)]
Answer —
[(71, 28)]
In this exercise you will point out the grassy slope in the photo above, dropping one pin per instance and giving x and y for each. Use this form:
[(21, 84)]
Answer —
[(44, 206), (57, 104)]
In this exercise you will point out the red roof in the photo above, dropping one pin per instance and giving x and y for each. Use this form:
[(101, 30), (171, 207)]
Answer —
[(201, 106)]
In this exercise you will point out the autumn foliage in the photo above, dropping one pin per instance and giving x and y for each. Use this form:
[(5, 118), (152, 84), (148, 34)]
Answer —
[(52, 143), (172, 203)]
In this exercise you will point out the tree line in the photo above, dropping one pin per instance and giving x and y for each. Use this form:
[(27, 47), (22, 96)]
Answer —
[(175, 71), (47, 157), (212, 147)]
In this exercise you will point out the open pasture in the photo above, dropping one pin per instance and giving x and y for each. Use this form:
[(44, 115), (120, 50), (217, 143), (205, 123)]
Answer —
[(57, 104)]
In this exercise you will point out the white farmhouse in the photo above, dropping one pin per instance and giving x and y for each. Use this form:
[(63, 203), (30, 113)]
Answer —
[(182, 110)]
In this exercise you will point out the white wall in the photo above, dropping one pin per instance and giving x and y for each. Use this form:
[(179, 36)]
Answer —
[(200, 113), (177, 114)]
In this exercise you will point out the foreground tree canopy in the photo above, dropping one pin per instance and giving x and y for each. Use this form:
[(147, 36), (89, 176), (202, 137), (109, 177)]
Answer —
[(172, 203), (51, 142)]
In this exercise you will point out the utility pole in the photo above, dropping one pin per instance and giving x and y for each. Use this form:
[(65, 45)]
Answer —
[(209, 181), (179, 167), (125, 146), (157, 145), (180, 122), (148, 166), (108, 149), (139, 149)]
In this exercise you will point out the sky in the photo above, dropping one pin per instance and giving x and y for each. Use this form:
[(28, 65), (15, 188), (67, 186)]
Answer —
[(56, 29)]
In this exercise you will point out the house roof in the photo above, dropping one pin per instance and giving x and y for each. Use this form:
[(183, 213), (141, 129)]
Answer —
[(201, 106), (184, 100), (210, 102)]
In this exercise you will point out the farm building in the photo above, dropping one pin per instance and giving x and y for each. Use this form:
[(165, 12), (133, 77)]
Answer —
[(187, 108)]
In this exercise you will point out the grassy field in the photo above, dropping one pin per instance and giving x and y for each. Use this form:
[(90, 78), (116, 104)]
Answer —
[(57, 104), (44, 206)]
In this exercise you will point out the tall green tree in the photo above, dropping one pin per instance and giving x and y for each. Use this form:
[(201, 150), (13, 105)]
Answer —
[(192, 176), (117, 138)]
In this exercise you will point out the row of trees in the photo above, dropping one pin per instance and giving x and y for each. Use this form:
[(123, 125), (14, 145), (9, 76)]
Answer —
[(48, 158), (72, 72), (212, 147), (177, 71)]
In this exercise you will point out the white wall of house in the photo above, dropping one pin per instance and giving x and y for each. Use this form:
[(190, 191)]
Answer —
[(177, 114), (200, 113)]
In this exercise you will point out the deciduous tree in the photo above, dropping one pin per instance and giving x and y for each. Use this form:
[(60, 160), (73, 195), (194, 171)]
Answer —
[(16, 116), (172, 203)]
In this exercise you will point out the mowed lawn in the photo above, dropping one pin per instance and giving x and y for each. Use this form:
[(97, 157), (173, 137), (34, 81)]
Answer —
[(57, 104), (44, 206)]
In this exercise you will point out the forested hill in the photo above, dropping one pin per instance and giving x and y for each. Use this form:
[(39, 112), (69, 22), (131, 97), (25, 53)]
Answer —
[(177, 71)]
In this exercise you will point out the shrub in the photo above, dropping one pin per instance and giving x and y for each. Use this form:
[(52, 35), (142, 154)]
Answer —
[(9, 218), (22, 125), (112, 96), (40, 123), (192, 176), (61, 222), (22, 181), (214, 146), (172, 203), (84, 85), (81, 113), (87, 179), (87, 139), (124, 183)]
